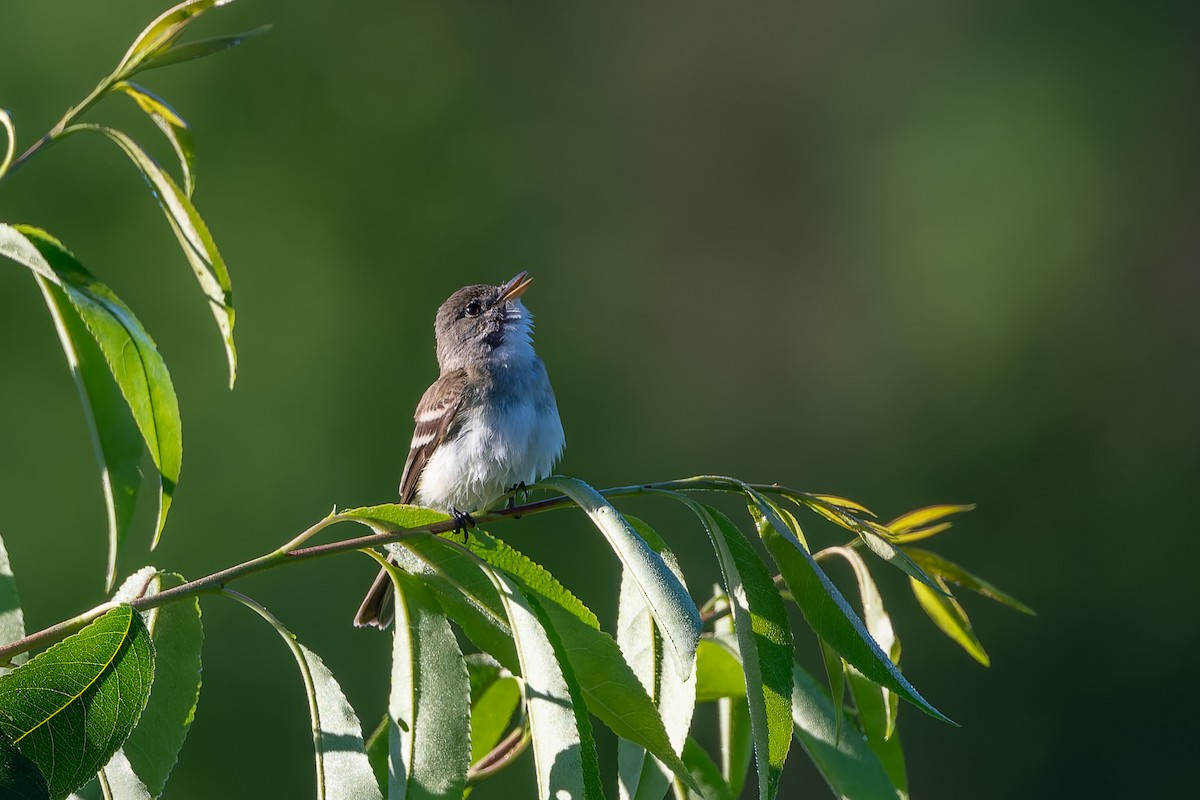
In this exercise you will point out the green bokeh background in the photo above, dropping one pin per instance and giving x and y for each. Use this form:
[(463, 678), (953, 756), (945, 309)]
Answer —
[(909, 254)]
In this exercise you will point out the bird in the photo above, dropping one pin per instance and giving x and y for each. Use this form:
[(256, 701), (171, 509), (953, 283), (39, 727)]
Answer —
[(487, 426)]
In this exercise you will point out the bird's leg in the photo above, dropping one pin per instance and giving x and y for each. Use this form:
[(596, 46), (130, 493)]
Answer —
[(462, 522), (517, 489)]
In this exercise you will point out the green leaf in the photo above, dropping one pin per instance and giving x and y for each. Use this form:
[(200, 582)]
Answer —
[(159, 34), (20, 779), (733, 713), (951, 618), (392, 517), (71, 707), (429, 702), (878, 623), (876, 716), (194, 239), (913, 520), (837, 748), (12, 619), (492, 714), (135, 366), (533, 576), (342, 768), (377, 752), (153, 747), (464, 591), (831, 617), (720, 672), (953, 573), (764, 642), (665, 596), (179, 53), (640, 775), (115, 435), (173, 126), (700, 764), (564, 753)]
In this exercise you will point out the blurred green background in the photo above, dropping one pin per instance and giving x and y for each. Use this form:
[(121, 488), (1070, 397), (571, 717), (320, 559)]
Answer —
[(906, 253)]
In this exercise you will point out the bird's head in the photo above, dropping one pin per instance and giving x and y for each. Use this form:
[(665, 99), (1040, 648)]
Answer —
[(484, 324)]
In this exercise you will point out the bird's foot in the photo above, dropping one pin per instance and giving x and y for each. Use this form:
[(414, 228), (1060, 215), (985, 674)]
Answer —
[(517, 489), (462, 523)]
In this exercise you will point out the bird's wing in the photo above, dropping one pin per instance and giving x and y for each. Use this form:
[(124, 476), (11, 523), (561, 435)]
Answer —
[(433, 416)]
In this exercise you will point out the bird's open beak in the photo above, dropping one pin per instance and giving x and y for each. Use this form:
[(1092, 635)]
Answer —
[(515, 288)]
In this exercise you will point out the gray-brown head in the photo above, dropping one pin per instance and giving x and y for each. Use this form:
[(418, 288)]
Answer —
[(484, 324)]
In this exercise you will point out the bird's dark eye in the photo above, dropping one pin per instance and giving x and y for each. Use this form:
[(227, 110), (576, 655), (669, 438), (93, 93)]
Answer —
[(474, 308)]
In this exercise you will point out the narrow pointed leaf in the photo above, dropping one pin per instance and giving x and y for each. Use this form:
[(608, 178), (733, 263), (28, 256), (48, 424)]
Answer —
[(492, 714), (12, 619), (428, 706), (700, 763), (838, 749), (153, 747), (896, 557), (951, 618), (533, 576), (953, 573), (843, 503), (564, 753), (191, 231), (134, 361), (764, 642), (69, 709), (876, 716), (179, 53), (831, 618), (641, 776), (878, 622), (925, 516), (115, 435), (667, 599), (342, 768), (160, 33), (173, 126), (464, 591)]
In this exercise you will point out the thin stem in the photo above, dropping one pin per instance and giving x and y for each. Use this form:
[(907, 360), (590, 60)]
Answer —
[(290, 553), (52, 135), (10, 140)]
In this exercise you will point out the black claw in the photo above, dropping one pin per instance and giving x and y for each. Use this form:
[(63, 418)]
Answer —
[(517, 489), (462, 522)]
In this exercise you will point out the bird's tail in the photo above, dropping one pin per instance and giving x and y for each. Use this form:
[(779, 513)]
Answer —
[(376, 608)]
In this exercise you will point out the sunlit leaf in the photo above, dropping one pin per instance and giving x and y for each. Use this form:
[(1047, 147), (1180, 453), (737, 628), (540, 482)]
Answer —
[(191, 231), (69, 709), (428, 706), (764, 642), (117, 781), (342, 768), (838, 749), (640, 775), (533, 576), (564, 752), (115, 434), (493, 703), (179, 53), (667, 599), (953, 573), (159, 34), (720, 672), (173, 126), (830, 616), (178, 635), (951, 618), (842, 503), (925, 516), (876, 716)]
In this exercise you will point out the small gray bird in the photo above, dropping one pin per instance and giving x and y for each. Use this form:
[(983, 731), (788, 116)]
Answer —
[(488, 424)]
